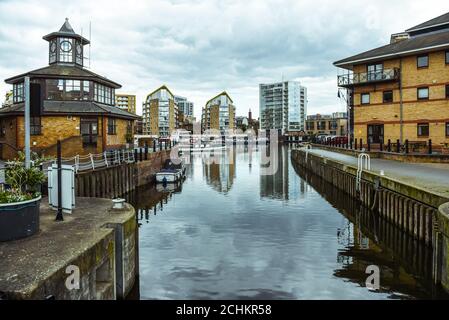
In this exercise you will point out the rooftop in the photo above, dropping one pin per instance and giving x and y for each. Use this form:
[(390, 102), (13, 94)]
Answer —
[(434, 35)]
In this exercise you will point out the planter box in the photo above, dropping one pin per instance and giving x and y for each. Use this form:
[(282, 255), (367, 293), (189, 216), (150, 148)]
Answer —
[(19, 220)]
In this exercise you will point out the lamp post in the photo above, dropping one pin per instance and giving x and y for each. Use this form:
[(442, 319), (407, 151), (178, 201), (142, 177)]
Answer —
[(27, 122)]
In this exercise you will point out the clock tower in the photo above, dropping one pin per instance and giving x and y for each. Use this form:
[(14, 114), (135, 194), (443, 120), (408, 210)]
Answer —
[(65, 46)]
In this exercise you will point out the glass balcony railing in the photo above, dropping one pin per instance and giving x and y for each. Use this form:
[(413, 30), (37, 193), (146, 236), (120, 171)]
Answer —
[(354, 79)]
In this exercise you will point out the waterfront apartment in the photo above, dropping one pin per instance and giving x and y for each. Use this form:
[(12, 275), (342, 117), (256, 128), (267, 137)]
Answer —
[(283, 107), (335, 124), (126, 102), (401, 90), (160, 113), (184, 106), (218, 114), (69, 103)]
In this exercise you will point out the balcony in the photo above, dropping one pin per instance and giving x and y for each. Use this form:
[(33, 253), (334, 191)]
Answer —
[(357, 79)]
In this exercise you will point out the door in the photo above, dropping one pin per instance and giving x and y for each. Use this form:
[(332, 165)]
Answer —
[(376, 133), (89, 131)]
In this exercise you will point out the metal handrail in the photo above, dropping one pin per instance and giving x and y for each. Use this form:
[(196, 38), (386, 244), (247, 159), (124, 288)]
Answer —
[(368, 77)]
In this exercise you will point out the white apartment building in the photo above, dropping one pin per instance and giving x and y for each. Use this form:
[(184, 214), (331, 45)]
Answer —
[(283, 106)]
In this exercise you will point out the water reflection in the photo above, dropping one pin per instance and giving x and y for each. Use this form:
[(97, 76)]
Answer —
[(286, 236)]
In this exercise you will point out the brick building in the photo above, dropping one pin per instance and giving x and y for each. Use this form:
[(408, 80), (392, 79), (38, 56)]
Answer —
[(75, 105), (218, 114), (160, 113), (335, 124), (400, 91), (126, 102)]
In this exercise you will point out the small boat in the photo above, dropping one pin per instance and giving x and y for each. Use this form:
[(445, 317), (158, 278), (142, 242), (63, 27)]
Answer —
[(171, 172)]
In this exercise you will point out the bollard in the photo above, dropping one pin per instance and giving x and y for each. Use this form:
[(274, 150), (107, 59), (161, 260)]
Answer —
[(381, 146), (355, 144), (406, 146), (369, 144), (361, 144), (135, 155), (160, 145), (389, 145), (146, 150), (430, 146), (350, 144), (165, 144), (140, 154), (398, 146)]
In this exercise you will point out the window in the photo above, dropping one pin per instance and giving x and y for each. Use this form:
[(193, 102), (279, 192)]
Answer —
[(422, 61), (447, 129), (365, 98), (447, 57), (129, 127), (18, 92), (67, 89), (65, 50), (423, 129), (423, 93), (388, 96), (310, 125), (112, 127), (447, 91), (35, 126), (104, 94), (375, 71)]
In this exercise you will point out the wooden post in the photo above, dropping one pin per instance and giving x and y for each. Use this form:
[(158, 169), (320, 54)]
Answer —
[(59, 216)]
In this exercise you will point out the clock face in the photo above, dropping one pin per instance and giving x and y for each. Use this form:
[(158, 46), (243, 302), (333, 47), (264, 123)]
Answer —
[(66, 46)]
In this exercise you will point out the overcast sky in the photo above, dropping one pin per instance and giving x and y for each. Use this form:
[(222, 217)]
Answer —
[(200, 48)]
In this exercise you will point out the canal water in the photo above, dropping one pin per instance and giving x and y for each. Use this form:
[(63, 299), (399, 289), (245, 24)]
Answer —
[(232, 232)]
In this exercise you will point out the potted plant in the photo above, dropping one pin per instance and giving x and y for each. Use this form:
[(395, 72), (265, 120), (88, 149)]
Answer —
[(20, 198)]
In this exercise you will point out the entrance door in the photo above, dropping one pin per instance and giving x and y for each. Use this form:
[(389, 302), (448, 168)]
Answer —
[(376, 133), (89, 131)]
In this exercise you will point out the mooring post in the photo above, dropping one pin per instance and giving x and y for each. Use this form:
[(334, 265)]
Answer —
[(361, 144), (381, 146), (140, 154), (59, 216), (406, 146), (355, 144), (369, 144), (154, 145), (398, 146), (430, 146), (389, 145)]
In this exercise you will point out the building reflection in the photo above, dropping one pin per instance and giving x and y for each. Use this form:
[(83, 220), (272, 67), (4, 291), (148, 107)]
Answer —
[(365, 239), (276, 186), (219, 170)]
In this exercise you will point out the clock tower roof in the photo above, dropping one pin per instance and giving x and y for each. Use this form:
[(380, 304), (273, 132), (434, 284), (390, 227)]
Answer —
[(67, 31)]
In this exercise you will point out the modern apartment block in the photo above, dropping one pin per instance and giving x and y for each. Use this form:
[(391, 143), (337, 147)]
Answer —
[(335, 124), (218, 113), (160, 113), (126, 102), (283, 106), (184, 106), (401, 90)]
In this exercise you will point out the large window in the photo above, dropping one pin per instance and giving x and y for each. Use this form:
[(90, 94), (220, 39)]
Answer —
[(423, 93), (422, 61), (112, 126), (365, 98), (310, 125), (447, 129), (18, 92), (447, 57), (35, 126), (375, 71), (388, 96), (104, 94), (423, 129), (65, 50), (67, 89), (447, 91)]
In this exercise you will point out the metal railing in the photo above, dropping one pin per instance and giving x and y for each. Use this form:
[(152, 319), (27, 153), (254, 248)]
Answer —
[(368, 77)]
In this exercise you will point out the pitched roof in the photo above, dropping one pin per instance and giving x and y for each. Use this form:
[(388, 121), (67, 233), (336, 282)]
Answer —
[(440, 20), (66, 30), (160, 88), (423, 43), (220, 94), (64, 71), (71, 108)]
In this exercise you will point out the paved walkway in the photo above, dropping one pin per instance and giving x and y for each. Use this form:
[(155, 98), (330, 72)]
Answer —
[(429, 176)]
